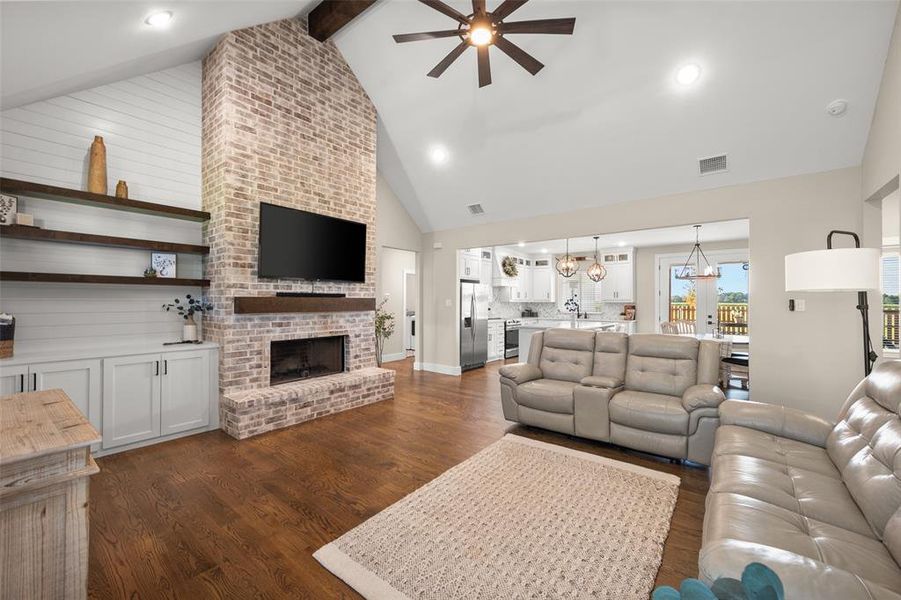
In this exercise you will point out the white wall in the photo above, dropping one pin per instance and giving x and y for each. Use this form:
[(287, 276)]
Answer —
[(882, 155), (808, 360), (394, 265), (151, 127)]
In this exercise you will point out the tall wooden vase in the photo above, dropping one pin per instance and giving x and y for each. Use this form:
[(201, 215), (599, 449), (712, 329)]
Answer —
[(97, 167)]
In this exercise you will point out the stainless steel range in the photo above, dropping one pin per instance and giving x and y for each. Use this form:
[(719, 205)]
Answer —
[(511, 337)]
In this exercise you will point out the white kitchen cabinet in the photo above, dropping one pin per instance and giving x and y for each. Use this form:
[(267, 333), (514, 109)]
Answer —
[(470, 263), (80, 379), (184, 397), (619, 284), (131, 399), (495, 339), (544, 288), (13, 380), (485, 269), (525, 280)]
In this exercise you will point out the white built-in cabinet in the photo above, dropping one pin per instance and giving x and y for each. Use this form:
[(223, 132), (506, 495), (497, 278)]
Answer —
[(619, 285), (470, 264), (133, 398), (80, 379), (495, 339), (154, 395)]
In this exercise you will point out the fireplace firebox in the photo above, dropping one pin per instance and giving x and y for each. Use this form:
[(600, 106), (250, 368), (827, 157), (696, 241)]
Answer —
[(293, 360)]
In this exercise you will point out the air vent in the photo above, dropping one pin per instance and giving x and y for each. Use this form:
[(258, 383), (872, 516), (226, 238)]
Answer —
[(713, 164), (476, 209)]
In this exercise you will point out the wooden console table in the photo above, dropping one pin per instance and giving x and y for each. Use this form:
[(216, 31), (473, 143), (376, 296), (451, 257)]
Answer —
[(45, 462)]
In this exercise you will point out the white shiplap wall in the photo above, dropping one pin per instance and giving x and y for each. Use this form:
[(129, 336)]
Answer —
[(151, 128)]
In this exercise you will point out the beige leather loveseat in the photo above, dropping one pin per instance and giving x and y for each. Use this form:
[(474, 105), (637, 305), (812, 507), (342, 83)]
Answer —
[(655, 393), (818, 502)]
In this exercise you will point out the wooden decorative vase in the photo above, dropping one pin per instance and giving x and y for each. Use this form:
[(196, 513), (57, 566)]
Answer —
[(121, 189), (97, 167)]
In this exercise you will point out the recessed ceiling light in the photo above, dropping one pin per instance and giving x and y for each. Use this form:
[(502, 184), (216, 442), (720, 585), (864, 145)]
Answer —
[(159, 19), (688, 74), (621, 244), (544, 250), (521, 244), (439, 155)]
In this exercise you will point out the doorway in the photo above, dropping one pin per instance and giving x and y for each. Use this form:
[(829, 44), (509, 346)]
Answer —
[(397, 290), (709, 305)]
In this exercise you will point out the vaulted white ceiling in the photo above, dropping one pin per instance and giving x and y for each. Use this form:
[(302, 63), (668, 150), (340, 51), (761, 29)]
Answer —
[(605, 122), (53, 48)]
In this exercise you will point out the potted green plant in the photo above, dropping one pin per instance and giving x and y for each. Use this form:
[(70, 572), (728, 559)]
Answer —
[(186, 309), (384, 327)]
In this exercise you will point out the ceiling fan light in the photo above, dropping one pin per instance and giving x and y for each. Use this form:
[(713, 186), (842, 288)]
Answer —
[(480, 36)]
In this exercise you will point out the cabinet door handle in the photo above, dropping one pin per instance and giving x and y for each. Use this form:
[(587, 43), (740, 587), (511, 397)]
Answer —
[(34, 387), (165, 367), (22, 382), (156, 363)]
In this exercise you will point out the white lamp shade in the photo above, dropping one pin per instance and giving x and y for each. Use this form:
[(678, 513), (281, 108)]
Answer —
[(837, 270)]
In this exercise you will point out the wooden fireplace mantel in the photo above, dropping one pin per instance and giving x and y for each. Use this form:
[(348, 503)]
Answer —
[(245, 305)]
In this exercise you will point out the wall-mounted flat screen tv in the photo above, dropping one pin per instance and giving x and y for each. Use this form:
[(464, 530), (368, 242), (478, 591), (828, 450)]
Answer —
[(295, 244)]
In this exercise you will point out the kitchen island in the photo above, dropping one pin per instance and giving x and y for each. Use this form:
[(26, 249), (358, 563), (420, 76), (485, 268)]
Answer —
[(531, 326)]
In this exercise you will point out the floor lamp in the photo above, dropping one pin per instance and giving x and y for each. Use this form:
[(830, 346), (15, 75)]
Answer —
[(838, 270)]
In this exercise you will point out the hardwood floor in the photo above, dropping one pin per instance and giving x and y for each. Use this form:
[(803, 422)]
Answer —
[(211, 517)]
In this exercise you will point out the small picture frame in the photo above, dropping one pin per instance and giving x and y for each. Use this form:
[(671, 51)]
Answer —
[(165, 264), (8, 207)]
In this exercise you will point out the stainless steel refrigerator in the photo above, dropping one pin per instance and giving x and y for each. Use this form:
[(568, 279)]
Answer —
[(473, 324)]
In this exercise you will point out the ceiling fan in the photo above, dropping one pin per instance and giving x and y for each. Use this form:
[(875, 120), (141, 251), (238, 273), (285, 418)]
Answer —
[(483, 29)]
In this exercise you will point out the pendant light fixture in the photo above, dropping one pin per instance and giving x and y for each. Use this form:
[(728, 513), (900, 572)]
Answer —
[(567, 265), (708, 272), (597, 271)]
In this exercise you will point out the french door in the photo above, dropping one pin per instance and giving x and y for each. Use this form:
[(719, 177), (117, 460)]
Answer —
[(707, 303)]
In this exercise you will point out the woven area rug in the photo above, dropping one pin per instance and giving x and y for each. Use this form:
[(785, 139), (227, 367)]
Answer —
[(520, 519)]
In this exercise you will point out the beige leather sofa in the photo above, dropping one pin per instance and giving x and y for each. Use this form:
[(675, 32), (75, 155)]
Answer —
[(655, 393), (819, 503)]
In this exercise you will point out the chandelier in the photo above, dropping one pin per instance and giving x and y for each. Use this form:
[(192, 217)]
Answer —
[(597, 271), (567, 264), (694, 272)]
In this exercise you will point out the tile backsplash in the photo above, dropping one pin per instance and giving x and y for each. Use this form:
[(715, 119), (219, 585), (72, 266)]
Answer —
[(546, 310)]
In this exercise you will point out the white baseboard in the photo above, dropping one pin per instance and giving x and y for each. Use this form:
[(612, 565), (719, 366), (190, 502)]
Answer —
[(393, 357), (436, 368)]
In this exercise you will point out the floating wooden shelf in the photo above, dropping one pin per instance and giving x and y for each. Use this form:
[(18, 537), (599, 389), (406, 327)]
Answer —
[(312, 304), (60, 194), (24, 232), (117, 279)]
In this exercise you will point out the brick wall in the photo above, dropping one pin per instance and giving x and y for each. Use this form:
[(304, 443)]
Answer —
[(284, 121)]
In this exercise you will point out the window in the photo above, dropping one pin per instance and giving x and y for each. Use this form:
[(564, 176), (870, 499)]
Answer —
[(891, 283)]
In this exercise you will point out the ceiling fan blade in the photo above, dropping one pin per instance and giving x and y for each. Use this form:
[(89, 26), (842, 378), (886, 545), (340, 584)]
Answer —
[(525, 60), (478, 7), (400, 38), (506, 7), (447, 60), (447, 10), (558, 26), (484, 66)]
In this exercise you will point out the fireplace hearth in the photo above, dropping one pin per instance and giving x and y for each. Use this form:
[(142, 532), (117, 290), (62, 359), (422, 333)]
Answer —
[(294, 360)]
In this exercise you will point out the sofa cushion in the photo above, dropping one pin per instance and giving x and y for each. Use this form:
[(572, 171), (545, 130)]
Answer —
[(567, 355), (739, 517), (661, 364), (732, 439), (865, 445), (650, 412), (610, 350), (551, 395), (807, 493)]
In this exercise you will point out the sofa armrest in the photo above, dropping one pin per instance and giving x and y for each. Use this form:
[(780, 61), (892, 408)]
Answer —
[(776, 420), (600, 381), (521, 372), (702, 395), (801, 577)]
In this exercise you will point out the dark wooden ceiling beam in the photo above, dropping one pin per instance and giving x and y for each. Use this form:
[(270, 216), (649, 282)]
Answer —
[(329, 16)]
